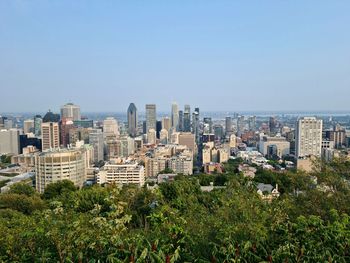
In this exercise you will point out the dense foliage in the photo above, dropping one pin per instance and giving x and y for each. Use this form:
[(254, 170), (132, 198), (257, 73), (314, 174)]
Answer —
[(178, 222)]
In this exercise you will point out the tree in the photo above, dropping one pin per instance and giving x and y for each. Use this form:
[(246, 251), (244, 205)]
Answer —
[(22, 188), (58, 188)]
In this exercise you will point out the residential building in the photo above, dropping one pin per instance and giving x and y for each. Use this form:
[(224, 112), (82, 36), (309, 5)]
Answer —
[(308, 137), (60, 164)]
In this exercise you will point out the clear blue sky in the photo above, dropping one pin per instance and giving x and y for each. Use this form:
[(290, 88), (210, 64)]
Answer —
[(218, 55)]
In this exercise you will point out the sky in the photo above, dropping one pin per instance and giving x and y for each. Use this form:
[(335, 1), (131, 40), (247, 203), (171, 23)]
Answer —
[(216, 55)]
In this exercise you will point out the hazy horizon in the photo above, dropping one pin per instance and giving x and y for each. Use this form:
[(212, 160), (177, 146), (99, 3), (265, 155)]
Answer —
[(217, 55)]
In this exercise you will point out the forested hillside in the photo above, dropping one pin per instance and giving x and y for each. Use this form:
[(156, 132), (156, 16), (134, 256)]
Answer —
[(177, 222)]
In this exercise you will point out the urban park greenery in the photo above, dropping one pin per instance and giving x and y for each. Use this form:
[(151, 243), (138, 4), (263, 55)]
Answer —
[(178, 222)]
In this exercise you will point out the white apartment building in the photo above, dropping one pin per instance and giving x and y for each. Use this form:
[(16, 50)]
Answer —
[(122, 173), (55, 165)]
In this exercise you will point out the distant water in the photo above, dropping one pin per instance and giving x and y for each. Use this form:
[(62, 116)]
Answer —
[(215, 115)]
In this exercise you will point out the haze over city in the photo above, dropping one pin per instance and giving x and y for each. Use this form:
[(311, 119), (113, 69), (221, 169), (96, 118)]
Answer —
[(219, 55)]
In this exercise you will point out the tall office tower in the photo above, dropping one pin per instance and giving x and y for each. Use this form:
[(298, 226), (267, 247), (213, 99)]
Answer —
[(195, 124), (110, 127), (181, 121), (228, 126), (71, 111), (188, 139), (187, 119), (164, 136), (2, 120), (96, 140), (151, 117), (175, 116), (28, 126), (66, 124), (273, 125), (51, 117), (151, 136), (56, 165), (9, 141), (209, 122), (218, 131), (132, 120), (159, 128), (50, 135), (308, 137), (252, 123), (8, 123), (37, 125), (166, 123), (240, 125)]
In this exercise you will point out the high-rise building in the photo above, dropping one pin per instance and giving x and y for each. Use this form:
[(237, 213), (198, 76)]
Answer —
[(195, 124), (159, 128), (96, 140), (60, 164), (151, 117), (228, 126), (181, 121), (308, 137), (252, 123), (240, 125), (9, 141), (218, 131), (71, 111), (151, 136), (187, 119), (28, 126), (164, 136), (175, 116), (132, 120), (37, 125), (110, 127), (65, 124), (188, 139), (166, 123), (273, 125), (50, 135), (208, 125), (51, 117)]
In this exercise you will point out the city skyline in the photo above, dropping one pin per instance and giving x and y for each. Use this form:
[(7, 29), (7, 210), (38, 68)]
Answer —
[(265, 56)]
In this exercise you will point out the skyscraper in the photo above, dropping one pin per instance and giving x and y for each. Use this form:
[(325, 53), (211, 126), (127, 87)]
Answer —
[(195, 124), (132, 120), (110, 127), (175, 116), (96, 140), (50, 135), (181, 121), (228, 126), (187, 118), (151, 117), (209, 123), (166, 123), (308, 137), (66, 124), (28, 126), (71, 111), (37, 125)]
